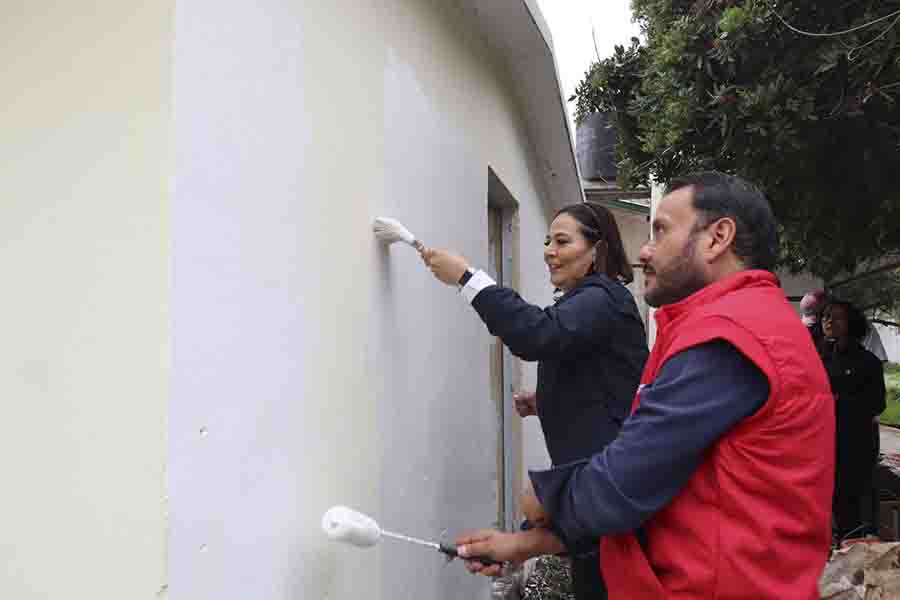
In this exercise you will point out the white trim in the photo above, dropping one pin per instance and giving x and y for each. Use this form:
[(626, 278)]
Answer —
[(518, 32)]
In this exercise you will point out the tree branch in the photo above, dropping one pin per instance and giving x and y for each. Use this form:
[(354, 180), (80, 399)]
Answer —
[(881, 269)]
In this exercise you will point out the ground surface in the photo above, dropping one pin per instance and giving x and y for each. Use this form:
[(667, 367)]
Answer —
[(890, 440)]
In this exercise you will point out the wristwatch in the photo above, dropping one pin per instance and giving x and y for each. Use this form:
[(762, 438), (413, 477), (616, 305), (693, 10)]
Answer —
[(465, 277)]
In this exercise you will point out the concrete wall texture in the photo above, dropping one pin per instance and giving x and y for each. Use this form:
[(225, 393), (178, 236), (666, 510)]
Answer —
[(85, 165), (206, 347)]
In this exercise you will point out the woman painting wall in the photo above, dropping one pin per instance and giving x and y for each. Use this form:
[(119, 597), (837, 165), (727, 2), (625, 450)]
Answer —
[(590, 345)]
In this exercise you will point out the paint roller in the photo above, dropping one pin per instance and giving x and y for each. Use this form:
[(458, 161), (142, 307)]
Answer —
[(391, 230), (352, 527)]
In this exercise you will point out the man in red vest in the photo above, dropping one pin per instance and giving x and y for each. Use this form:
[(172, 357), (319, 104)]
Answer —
[(719, 484)]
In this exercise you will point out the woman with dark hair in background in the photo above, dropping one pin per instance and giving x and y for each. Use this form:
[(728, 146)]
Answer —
[(857, 381), (590, 344)]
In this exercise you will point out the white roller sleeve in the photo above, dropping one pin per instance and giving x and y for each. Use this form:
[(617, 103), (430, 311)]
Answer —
[(351, 527)]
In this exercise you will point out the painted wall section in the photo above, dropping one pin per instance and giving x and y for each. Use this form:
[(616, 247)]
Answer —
[(457, 77), (84, 200), (312, 366), (272, 417), (449, 116)]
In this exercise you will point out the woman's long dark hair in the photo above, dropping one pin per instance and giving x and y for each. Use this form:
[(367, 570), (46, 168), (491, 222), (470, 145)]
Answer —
[(597, 225), (857, 324)]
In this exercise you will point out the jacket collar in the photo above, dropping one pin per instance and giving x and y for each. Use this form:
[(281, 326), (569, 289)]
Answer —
[(598, 279), (714, 291)]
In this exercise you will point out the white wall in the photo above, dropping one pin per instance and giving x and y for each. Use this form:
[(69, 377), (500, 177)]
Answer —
[(312, 366), (84, 201), (247, 333), (270, 298), (890, 339)]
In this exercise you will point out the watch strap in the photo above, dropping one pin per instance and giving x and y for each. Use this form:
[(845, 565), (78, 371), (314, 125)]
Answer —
[(466, 277)]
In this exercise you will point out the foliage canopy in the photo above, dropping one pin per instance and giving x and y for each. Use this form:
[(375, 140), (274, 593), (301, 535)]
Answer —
[(814, 120)]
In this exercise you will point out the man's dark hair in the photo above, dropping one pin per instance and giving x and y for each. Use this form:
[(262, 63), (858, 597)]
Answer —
[(717, 195)]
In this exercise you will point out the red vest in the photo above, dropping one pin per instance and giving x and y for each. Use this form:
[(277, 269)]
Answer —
[(754, 521)]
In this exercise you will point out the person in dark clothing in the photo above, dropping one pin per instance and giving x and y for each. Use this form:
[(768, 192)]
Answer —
[(590, 344), (857, 381)]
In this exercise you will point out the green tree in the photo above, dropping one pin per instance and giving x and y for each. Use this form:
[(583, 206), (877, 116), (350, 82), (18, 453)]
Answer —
[(813, 119)]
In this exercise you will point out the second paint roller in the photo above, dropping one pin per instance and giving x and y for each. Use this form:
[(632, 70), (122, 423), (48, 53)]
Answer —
[(352, 527)]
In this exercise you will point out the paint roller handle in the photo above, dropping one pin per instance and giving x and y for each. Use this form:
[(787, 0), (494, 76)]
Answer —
[(450, 550)]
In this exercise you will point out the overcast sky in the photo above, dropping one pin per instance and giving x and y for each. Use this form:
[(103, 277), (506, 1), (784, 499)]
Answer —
[(570, 24)]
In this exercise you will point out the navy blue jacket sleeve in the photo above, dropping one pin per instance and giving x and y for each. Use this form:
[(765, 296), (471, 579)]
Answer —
[(533, 333), (697, 397)]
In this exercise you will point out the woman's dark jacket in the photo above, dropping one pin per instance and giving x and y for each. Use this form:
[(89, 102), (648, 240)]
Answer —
[(857, 381), (591, 347)]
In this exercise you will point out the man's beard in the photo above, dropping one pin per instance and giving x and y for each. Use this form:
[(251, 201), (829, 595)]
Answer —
[(677, 281)]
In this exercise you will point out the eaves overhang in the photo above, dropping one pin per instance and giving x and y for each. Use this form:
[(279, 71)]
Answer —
[(517, 31)]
